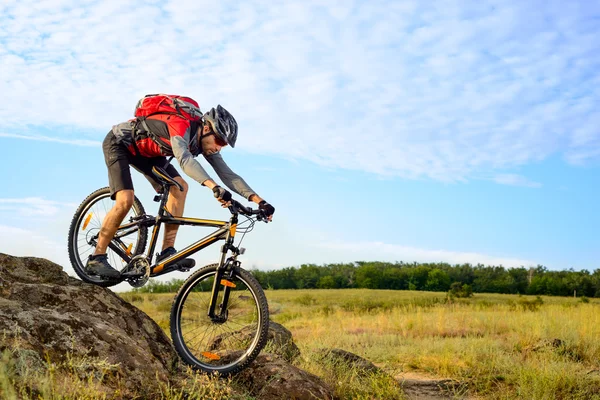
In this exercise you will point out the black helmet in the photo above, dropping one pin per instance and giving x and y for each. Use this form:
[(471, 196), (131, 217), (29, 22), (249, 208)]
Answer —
[(223, 124)]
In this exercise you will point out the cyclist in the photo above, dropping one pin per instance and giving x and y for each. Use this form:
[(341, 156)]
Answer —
[(126, 144)]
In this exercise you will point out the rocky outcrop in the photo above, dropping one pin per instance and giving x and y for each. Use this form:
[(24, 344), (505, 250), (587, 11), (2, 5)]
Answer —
[(48, 318), (55, 316)]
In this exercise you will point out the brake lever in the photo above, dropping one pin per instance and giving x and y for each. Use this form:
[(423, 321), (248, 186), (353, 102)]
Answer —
[(262, 217)]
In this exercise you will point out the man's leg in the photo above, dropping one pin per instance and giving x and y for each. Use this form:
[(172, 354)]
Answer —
[(123, 203), (117, 160), (175, 205)]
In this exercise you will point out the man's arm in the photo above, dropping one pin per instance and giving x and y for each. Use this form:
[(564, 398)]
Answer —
[(237, 184), (179, 132), (232, 180)]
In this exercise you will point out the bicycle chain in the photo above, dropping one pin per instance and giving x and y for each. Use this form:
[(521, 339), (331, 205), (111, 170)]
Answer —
[(137, 264)]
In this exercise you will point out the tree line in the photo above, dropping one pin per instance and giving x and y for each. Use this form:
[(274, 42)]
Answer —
[(437, 277)]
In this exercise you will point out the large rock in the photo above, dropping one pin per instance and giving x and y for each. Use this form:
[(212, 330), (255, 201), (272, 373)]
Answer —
[(45, 311), (281, 342), (342, 357), (270, 377)]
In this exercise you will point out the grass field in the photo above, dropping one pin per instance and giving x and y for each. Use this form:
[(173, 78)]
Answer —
[(494, 346), (499, 346)]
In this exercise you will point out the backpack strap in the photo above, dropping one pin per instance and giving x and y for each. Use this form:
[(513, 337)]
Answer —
[(133, 138), (163, 147)]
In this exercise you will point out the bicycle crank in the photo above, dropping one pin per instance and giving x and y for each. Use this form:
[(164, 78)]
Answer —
[(137, 271)]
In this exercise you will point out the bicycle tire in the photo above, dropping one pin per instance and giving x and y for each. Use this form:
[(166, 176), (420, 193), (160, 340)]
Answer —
[(74, 229), (259, 338)]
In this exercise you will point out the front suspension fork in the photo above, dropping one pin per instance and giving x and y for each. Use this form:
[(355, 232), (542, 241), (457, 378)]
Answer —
[(224, 277)]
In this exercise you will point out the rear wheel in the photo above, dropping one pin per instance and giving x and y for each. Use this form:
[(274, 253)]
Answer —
[(223, 346), (84, 230)]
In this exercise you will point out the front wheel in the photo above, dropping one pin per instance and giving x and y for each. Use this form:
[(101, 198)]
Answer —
[(223, 346)]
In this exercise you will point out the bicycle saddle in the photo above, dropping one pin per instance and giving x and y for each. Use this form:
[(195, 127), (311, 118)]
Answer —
[(164, 178)]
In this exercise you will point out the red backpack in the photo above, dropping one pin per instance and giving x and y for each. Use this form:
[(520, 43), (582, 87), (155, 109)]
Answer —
[(152, 104), (168, 104)]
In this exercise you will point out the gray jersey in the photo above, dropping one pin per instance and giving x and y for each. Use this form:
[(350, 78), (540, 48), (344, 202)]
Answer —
[(184, 149), (192, 168)]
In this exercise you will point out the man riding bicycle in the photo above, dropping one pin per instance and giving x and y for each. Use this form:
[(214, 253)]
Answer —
[(143, 143)]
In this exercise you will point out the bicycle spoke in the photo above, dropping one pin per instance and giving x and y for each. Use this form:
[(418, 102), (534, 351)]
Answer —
[(201, 341), (95, 216)]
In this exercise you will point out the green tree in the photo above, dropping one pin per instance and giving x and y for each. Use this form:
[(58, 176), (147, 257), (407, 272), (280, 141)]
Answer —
[(307, 276), (327, 282), (437, 281), (369, 276)]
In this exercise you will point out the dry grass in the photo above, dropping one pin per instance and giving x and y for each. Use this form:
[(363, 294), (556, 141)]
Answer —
[(25, 375), (500, 346)]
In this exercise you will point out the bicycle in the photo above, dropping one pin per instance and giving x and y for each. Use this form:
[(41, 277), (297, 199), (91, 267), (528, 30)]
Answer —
[(219, 318)]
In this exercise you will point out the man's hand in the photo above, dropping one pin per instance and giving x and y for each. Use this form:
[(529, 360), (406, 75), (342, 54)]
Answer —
[(223, 195), (268, 209)]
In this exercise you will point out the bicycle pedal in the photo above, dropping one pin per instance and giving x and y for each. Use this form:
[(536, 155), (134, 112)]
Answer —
[(186, 265)]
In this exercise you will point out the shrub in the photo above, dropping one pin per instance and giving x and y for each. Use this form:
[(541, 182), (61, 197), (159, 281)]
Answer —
[(531, 305), (305, 300), (460, 290)]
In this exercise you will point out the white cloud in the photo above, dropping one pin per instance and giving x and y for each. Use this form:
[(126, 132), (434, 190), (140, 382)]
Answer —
[(39, 138), (33, 207), (447, 91), (516, 180), (393, 252)]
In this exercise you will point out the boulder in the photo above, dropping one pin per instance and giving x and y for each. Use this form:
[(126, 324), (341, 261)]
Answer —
[(270, 377), (44, 311), (342, 357), (281, 342)]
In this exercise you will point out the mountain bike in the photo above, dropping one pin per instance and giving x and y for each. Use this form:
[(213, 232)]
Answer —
[(219, 318)]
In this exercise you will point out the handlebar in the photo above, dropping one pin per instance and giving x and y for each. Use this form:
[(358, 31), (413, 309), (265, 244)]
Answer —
[(237, 207)]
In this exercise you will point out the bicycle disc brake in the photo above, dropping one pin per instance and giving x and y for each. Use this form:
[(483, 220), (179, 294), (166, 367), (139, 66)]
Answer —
[(140, 266)]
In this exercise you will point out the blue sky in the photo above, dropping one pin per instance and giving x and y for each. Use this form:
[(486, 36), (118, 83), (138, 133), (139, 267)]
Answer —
[(457, 131)]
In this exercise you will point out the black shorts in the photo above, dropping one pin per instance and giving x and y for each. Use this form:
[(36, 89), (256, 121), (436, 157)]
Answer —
[(118, 159)]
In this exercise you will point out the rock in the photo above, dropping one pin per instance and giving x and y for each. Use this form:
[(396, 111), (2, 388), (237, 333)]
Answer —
[(279, 340), (433, 389), (270, 377), (339, 356), (43, 310)]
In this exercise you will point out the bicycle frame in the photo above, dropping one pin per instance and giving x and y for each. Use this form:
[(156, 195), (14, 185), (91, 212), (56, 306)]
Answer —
[(226, 231)]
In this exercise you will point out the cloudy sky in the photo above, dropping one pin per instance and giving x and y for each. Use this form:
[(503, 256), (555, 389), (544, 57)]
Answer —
[(458, 131)]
